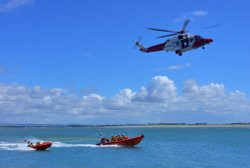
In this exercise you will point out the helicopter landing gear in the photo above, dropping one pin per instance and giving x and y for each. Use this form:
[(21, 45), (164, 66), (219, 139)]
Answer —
[(179, 53)]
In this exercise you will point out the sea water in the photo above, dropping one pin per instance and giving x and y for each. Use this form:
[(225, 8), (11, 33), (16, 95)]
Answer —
[(74, 147)]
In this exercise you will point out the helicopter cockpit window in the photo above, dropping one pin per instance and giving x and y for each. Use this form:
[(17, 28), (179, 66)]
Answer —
[(197, 38)]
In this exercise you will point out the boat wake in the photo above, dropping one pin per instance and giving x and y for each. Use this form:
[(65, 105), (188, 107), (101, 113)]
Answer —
[(60, 144), (23, 146), (14, 146)]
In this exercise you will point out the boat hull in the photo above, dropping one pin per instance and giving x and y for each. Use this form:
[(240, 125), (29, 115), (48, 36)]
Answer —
[(41, 146), (126, 142)]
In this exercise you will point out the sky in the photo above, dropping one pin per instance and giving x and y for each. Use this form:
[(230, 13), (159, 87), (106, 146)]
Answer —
[(65, 62)]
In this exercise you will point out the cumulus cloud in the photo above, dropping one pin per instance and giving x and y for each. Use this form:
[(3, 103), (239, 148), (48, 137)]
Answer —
[(10, 5), (160, 89), (159, 101)]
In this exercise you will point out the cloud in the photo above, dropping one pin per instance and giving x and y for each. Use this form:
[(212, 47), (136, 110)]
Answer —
[(160, 89), (192, 15), (174, 67), (10, 5), (179, 67), (199, 13), (158, 101)]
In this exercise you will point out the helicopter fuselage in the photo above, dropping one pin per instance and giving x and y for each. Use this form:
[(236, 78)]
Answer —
[(179, 44)]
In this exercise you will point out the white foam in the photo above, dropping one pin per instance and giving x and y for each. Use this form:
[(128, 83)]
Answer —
[(60, 144), (14, 146), (23, 146)]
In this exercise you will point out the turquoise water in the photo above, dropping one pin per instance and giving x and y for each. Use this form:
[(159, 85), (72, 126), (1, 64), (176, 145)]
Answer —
[(161, 147)]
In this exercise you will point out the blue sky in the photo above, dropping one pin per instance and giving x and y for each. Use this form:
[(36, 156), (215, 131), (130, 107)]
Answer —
[(74, 62)]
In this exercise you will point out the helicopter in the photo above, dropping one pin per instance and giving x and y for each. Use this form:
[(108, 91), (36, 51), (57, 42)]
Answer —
[(181, 42)]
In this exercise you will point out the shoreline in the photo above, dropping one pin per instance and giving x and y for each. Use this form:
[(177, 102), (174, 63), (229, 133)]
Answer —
[(231, 125), (185, 126)]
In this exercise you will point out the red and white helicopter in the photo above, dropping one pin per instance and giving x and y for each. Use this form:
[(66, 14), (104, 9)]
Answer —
[(182, 41)]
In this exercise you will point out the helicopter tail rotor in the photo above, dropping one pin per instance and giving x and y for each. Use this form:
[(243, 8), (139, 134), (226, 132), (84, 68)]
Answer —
[(137, 42), (139, 45)]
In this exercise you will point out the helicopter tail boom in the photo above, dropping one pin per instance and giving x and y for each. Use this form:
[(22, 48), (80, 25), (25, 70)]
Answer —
[(141, 47), (158, 47)]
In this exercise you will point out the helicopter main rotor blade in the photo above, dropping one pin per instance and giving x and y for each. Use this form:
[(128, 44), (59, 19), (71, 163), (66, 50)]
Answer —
[(185, 24), (168, 35), (162, 30), (210, 27)]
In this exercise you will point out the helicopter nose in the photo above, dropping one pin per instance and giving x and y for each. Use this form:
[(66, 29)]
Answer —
[(209, 40)]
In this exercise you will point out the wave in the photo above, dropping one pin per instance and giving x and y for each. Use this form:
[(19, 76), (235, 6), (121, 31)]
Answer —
[(23, 146)]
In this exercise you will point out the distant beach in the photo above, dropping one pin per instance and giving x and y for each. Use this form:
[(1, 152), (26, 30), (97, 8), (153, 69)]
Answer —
[(181, 125), (153, 125), (185, 126)]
